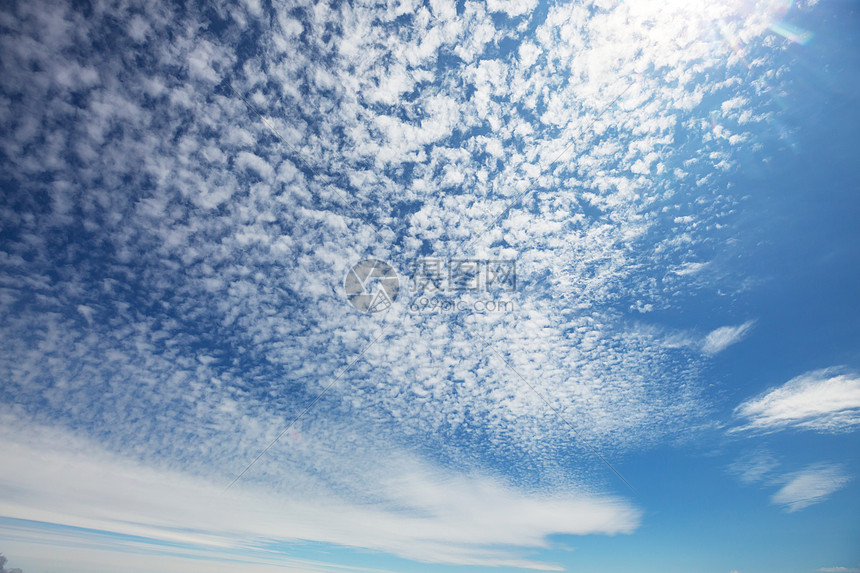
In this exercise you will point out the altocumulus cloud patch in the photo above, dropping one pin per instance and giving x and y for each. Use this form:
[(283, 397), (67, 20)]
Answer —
[(188, 188)]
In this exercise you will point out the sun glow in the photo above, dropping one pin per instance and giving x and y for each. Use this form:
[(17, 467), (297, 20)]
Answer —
[(687, 20)]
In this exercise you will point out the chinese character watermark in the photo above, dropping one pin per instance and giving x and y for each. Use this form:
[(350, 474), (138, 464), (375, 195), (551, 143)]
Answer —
[(433, 275), (436, 285)]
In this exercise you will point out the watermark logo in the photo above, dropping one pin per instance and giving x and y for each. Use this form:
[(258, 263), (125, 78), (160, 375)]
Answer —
[(441, 304), (456, 285), (435, 285), (371, 286), (433, 275)]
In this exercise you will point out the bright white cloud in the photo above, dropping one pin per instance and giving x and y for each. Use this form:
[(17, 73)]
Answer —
[(417, 512), (723, 337), (810, 486), (825, 400), (511, 7)]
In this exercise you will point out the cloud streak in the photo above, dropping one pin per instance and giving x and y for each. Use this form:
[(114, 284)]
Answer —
[(408, 508), (754, 467), (725, 336), (825, 400), (809, 486)]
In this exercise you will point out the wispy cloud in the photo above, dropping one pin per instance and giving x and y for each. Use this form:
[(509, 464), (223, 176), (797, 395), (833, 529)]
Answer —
[(839, 570), (825, 400), (798, 489), (723, 337), (754, 467), (407, 507), (689, 268), (52, 547), (810, 486)]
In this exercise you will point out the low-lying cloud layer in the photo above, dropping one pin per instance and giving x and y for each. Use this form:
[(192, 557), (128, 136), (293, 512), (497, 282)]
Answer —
[(408, 508)]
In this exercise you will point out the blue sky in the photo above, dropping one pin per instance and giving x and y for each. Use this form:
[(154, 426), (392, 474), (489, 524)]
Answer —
[(672, 383)]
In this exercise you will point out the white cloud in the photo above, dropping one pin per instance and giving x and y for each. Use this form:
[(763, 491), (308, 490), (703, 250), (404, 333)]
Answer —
[(417, 511), (689, 268), (825, 400), (810, 486), (255, 163), (254, 7), (797, 490), (754, 467), (209, 308), (723, 337), (839, 570), (511, 7)]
